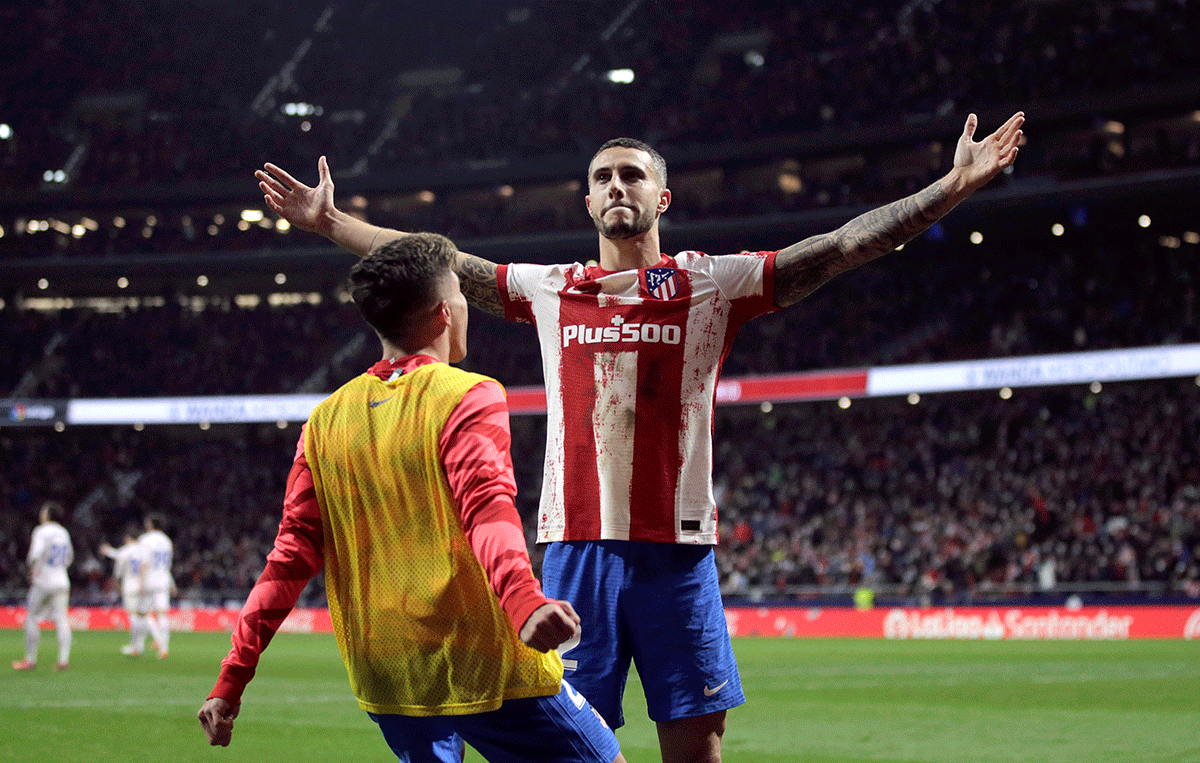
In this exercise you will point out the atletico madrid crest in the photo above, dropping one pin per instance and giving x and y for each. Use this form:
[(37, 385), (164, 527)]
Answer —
[(662, 283)]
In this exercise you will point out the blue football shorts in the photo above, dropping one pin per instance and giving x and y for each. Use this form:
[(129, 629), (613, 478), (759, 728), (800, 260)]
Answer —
[(658, 604), (561, 728)]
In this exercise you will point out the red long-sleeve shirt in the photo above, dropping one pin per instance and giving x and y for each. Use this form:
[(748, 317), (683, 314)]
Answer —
[(474, 451)]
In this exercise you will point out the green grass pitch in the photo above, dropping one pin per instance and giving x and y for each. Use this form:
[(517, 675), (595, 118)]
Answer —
[(824, 701)]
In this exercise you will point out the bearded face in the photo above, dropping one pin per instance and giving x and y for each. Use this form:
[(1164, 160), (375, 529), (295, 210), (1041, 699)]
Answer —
[(624, 197), (622, 221)]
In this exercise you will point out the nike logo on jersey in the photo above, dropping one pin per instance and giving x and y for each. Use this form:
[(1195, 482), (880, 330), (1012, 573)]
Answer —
[(377, 403), (709, 692)]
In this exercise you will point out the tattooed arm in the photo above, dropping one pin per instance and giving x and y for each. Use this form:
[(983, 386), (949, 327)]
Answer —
[(312, 209), (804, 266), (477, 277)]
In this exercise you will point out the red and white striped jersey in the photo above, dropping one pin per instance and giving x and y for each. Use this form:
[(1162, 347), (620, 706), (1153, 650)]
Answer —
[(631, 361)]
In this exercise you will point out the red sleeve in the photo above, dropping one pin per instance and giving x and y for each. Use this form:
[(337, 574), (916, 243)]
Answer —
[(474, 450), (517, 305), (297, 556)]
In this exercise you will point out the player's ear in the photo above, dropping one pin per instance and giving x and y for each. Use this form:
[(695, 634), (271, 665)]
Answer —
[(664, 200)]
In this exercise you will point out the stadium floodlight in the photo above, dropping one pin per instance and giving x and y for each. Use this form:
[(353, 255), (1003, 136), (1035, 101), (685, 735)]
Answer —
[(6, 131), (122, 282), (843, 403), (1144, 221), (252, 215), (202, 280), (1191, 237), (1057, 229), (619, 76), (280, 279), (766, 406), (976, 237), (282, 225), (1095, 387), (754, 59), (43, 284), (1005, 393), (78, 230), (913, 398)]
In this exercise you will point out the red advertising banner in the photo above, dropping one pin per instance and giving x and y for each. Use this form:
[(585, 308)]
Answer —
[(992, 623), (301, 620), (980, 623)]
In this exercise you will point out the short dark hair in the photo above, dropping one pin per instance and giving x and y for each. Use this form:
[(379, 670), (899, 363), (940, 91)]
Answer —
[(155, 520), (657, 163), (54, 511), (400, 278)]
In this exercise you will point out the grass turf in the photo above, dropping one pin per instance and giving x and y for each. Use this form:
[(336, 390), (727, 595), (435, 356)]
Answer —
[(823, 701)]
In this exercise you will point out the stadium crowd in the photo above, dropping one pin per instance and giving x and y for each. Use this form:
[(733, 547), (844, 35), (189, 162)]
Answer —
[(954, 498), (965, 496), (957, 498), (931, 302), (529, 81), (197, 95)]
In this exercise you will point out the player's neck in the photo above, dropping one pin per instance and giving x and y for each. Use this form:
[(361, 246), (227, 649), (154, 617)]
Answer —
[(439, 349), (630, 253)]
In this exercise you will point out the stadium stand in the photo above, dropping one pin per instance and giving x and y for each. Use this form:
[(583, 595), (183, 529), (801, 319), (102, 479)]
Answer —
[(484, 136)]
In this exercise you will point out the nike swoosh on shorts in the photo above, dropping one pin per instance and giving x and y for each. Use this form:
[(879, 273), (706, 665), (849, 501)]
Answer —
[(709, 692)]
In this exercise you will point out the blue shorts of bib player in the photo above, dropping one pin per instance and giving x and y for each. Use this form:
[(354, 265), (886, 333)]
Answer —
[(657, 604), (562, 728)]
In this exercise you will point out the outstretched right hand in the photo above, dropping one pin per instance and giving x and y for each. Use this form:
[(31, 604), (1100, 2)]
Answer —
[(304, 207), (549, 626)]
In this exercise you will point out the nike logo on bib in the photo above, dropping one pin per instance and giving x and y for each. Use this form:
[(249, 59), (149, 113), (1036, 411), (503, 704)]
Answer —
[(377, 403), (709, 692)]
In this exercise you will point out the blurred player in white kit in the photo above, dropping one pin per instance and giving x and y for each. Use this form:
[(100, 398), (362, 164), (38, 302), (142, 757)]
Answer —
[(129, 563), (50, 553), (157, 584)]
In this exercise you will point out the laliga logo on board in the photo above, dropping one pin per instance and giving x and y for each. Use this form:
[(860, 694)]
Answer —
[(1192, 629)]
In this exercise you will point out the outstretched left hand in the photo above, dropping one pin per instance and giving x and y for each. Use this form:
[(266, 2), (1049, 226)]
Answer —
[(980, 161)]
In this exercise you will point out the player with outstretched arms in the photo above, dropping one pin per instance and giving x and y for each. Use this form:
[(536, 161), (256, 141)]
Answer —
[(50, 554), (128, 563), (631, 352), (402, 488), (157, 585)]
